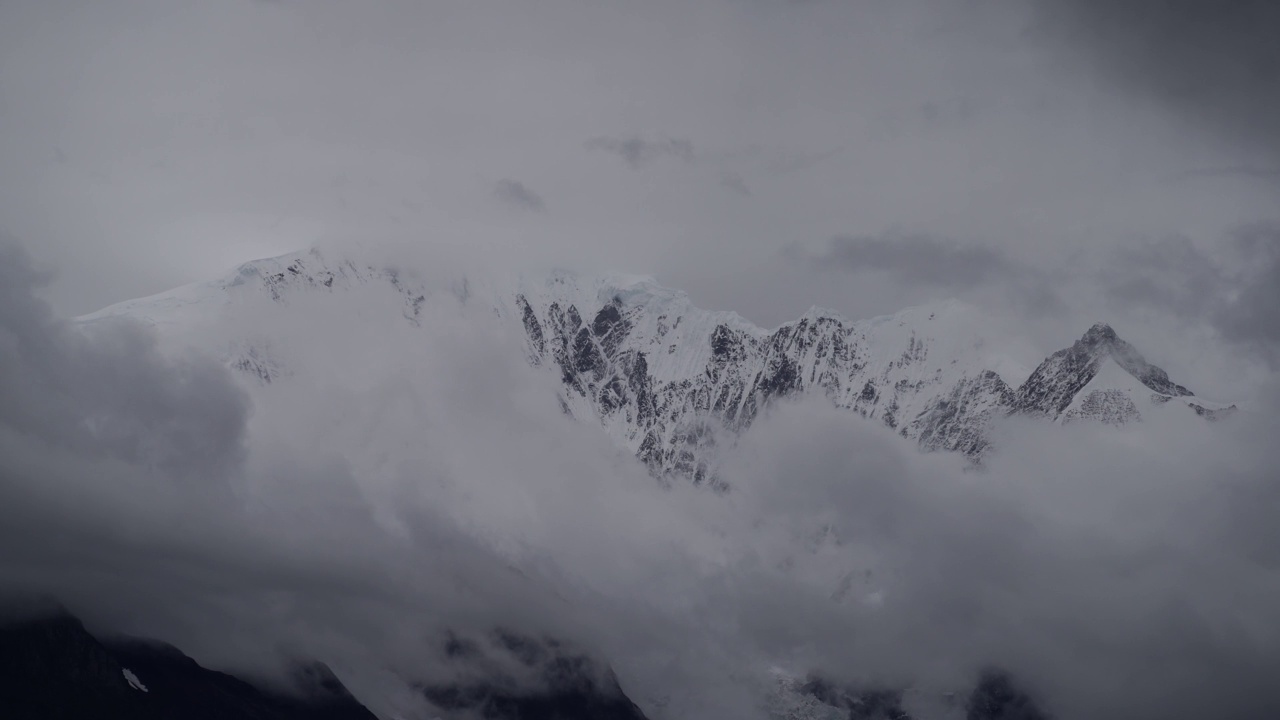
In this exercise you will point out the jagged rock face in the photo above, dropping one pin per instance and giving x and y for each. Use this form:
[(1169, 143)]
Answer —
[(1111, 407), (959, 422), (1058, 381), (904, 371), (673, 383)]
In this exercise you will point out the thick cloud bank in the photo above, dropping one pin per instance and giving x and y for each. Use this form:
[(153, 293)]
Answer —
[(394, 486)]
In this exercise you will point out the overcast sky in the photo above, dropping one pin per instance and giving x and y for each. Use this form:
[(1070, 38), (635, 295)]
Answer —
[(1054, 162), (721, 145)]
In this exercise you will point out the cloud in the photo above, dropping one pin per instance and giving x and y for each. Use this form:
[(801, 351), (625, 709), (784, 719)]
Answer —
[(735, 184), (1251, 312), (1215, 61), (355, 509), (517, 194), (1027, 153), (434, 485), (1222, 285), (1233, 288), (1089, 562), (637, 152), (110, 393), (922, 260), (1171, 274), (424, 493), (919, 259)]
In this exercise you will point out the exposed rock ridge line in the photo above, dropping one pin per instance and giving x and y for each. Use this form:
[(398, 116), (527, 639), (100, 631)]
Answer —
[(670, 381)]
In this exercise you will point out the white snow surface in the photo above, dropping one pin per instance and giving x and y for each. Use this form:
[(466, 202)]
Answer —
[(134, 682), (641, 359)]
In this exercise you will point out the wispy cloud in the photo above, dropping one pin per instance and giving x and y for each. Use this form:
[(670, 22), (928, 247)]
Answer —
[(1236, 290), (945, 264), (638, 152), (517, 194), (734, 183)]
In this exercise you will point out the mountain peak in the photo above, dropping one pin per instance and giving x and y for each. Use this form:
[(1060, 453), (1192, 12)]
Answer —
[(664, 377), (1101, 333), (1066, 379)]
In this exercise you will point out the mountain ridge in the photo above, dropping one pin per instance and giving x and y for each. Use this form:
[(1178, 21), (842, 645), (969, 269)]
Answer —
[(52, 667), (670, 382)]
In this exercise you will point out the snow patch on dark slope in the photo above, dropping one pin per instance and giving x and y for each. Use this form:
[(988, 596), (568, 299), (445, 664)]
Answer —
[(52, 667), (671, 382)]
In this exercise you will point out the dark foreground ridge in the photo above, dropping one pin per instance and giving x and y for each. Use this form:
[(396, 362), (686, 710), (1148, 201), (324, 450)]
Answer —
[(52, 668)]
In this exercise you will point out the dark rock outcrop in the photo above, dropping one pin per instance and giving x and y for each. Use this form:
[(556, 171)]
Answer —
[(51, 668)]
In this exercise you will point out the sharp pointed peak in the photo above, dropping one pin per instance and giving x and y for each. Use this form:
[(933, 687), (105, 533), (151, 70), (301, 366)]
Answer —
[(1100, 331)]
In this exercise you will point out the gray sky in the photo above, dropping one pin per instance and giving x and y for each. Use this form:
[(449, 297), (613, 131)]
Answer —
[(149, 144)]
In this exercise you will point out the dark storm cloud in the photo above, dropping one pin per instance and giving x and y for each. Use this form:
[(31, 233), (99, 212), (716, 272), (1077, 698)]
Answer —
[(516, 193), (1213, 60), (940, 263), (637, 151)]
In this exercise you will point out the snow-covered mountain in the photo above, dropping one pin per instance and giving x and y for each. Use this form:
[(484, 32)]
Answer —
[(669, 381)]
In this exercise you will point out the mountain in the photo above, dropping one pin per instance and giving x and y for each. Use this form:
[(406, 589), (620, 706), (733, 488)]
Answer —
[(669, 381), (52, 668), (1103, 378)]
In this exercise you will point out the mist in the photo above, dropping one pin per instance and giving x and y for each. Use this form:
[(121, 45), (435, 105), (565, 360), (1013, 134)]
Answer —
[(1051, 163), (399, 486)]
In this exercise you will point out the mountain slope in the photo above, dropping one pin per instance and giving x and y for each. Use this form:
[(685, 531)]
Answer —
[(51, 667), (670, 382)]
